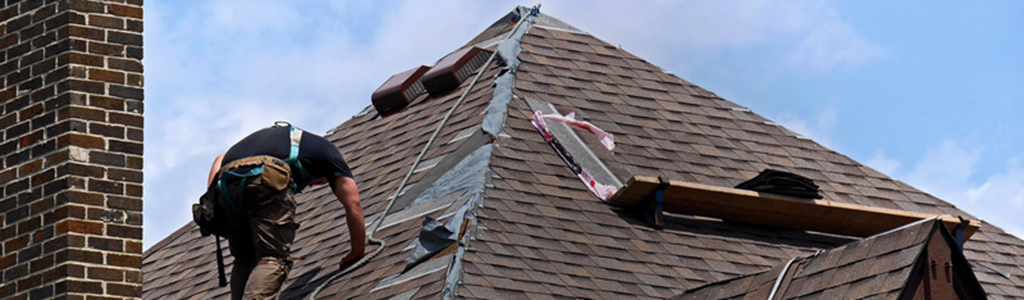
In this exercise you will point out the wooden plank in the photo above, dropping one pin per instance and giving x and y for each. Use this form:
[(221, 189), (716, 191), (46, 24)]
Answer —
[(757, 208)]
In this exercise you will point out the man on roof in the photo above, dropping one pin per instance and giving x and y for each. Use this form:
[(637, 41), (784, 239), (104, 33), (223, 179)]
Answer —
[(258, 178)]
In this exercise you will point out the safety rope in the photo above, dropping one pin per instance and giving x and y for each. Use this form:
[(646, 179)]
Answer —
[(391, 200)]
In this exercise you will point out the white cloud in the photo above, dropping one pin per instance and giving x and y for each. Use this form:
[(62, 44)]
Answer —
[(883, 164), (818, 129), (835, 44), (807, 34), (945, 170), (950, 171)]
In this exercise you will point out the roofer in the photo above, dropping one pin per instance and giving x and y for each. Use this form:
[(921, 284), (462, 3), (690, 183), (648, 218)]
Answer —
[(258, 177)]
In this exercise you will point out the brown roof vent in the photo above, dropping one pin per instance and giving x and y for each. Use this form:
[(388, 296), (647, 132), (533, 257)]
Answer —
[(398, 91), (453, 70)]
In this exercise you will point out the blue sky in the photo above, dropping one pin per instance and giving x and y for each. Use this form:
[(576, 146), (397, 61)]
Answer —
[(926, 92)]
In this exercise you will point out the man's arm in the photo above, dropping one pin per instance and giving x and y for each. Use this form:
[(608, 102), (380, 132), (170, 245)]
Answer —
[(214, 168), (348, 194)]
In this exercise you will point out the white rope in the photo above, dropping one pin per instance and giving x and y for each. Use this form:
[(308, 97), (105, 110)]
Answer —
[(391, 200)]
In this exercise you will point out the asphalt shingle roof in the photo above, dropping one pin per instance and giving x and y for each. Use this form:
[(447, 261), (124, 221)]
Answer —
[(539, 233), (879, 266)]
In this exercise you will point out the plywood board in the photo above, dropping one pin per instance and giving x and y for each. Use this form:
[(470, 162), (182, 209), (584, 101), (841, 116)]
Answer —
[(757, 208)]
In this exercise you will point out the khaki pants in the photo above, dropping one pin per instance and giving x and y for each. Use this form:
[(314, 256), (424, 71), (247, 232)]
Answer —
[(264, 229)]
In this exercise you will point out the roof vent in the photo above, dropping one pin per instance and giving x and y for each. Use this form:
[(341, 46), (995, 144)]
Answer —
[(453, 70), (398, 91)]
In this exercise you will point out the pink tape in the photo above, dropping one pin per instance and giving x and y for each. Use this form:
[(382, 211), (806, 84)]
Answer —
[(600, 190), (607, 139)]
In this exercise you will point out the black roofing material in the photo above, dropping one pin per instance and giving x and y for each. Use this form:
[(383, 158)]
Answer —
[(782, 183), (434, 237)]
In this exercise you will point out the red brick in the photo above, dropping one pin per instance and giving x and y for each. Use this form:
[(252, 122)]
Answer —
[(124, 203), (9, 40), (8, 260), (106, 22), (8, 175), (55, 158), (30, 167), (15, 244), (82, 170), (130, 65), (80, 140), (105, 75), (126, 11), (85, 6), (128, 290), (86, 33), (135, 80), (133, 247), (134, 190), (126, 119), (85, 227), (134, 162), (134, 26), (86, 86), (43, 177), (106, 244), (90, 287), (106, 49), (105, 186), (31, 138), (44, 13), (84, 113), (133, 276), (131, 261), (85, 59), (30, 112), (42, 263), (104, 273), (124, 175), (30, 282), (8, 94), (107, 102), (131, 232)]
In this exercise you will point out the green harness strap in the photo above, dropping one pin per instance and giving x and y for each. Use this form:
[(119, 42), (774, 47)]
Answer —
[(293, 159), (231, 175)]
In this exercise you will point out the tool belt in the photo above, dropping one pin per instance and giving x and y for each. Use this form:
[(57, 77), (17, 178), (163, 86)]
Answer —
[(268, 171)]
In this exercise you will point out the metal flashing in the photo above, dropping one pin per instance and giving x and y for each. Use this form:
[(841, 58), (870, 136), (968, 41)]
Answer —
[(508, 50), (450, 161)]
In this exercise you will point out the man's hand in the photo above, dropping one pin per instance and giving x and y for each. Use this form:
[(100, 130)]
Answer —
[(350, 259)]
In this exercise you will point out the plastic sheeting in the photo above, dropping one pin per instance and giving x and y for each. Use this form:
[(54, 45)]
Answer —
[(508, 50), (468, 177)]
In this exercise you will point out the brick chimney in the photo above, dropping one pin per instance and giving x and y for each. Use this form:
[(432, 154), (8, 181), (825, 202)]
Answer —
[(71, 155)]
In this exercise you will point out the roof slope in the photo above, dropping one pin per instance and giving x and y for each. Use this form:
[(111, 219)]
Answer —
[(879, 267), (536, 231)]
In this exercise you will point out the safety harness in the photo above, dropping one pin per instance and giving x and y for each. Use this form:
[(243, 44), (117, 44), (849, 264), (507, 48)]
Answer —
[(232, 174), (295, 138)]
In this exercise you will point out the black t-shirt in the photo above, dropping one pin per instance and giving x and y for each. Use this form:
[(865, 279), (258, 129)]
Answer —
[(318, 156)]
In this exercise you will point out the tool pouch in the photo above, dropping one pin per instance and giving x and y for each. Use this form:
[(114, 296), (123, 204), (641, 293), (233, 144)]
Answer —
[(269, 171)]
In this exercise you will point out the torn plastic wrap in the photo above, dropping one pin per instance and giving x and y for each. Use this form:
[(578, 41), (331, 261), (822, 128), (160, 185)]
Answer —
[(600, 190), (607, 139), (435, 237)]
